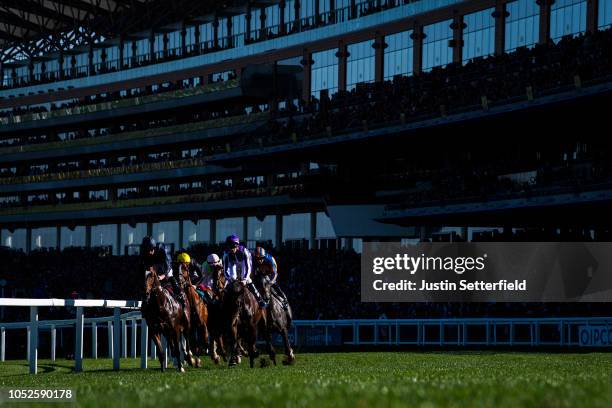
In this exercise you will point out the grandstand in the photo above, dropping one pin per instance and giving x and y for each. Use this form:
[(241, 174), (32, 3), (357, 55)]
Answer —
[(302, 124)]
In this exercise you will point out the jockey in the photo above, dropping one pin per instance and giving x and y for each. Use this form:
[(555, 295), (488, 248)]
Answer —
[(194, 270), (157, 257), (212, 264), (266, 265), (237, 265)]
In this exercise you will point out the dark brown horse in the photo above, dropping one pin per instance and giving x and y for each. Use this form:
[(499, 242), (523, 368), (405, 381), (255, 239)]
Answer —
[(164, 316), (198, 333), (243, 317), (278, 320)]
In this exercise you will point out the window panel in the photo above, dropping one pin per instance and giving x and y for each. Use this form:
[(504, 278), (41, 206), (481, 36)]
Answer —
[(567, 17), (360, 64), (604, 16), (398, 55), (522, 24), (324, 72), (479, 34), (436, 52), (72, 238), (105, 235)]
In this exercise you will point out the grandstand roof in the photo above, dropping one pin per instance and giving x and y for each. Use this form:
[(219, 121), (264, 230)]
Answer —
[(30, 28)]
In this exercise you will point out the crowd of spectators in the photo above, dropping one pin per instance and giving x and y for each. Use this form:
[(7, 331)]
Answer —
[(127, 94), (320, 284)]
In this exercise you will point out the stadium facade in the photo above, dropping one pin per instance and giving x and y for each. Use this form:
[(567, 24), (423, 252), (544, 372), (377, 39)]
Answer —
[(187, 131)]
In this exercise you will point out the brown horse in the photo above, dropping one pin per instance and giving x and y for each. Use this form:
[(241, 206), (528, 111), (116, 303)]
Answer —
[(277, 319), (198, 333), (243, 317), (216, 316), (164, 316)]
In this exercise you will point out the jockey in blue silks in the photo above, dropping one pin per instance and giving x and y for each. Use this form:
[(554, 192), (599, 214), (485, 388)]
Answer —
[(238, 265)]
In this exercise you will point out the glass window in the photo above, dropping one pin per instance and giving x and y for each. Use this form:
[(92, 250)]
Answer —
[(168, 233), (522, 24), (131, 237), (479, 34), (105, 235), (238, 29), (325, 229), (342, 10), (296, 226), (398, 55), (44, 237), (194, 233), (229, 226), (604, 15), (360, 64), (273, 18), (72, 238), (436, 52), (307, 11), (261, 231), (567, 17), (15, 240), (324, 72)]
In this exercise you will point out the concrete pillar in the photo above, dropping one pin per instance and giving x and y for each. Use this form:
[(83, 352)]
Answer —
[(544, 19), (118, 231), (58, 237), (215, 25), (417, 42), (306, 62), (592, 15), (342, 55), (213, 231), (282, 29), (457, 43), (180, 231), (28, 240), (312, 242), (279, 231), (88, 236), (500, 14), (245, 228), (379, 56)]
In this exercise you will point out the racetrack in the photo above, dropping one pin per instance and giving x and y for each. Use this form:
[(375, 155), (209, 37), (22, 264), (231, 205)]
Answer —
[(384, 379)]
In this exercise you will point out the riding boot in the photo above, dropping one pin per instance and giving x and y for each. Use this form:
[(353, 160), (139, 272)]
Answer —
[(208, 299), (178, 293), (282, 295), (255, 292)]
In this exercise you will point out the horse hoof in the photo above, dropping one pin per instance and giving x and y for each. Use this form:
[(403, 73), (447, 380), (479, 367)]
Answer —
[(181, 370), (238, 360), (198, 362), (216, 360)]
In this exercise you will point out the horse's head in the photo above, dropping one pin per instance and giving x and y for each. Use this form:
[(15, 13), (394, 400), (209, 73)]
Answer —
[(263, 284), (218, 278), (151, 281)]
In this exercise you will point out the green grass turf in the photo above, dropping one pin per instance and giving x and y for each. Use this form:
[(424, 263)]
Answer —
[(375, 379)]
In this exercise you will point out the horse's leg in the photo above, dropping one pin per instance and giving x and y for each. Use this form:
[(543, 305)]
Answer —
[(177, 345), (288, 350), (161, 355), (269, 345)]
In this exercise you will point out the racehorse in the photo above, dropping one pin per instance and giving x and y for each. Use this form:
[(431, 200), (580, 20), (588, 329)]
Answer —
[(198, 333), (244, 315), (277, 319), (164, 316), (216, 316)]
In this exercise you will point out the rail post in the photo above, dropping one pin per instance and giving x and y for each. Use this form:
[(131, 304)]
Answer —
[(109, 333), (164, 351), (94, 340), (153, 350), (33, 340), (78, 340), (123, 338), (53, 342), (133, 338), (144, 342), (116, 335), (2, 344)]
